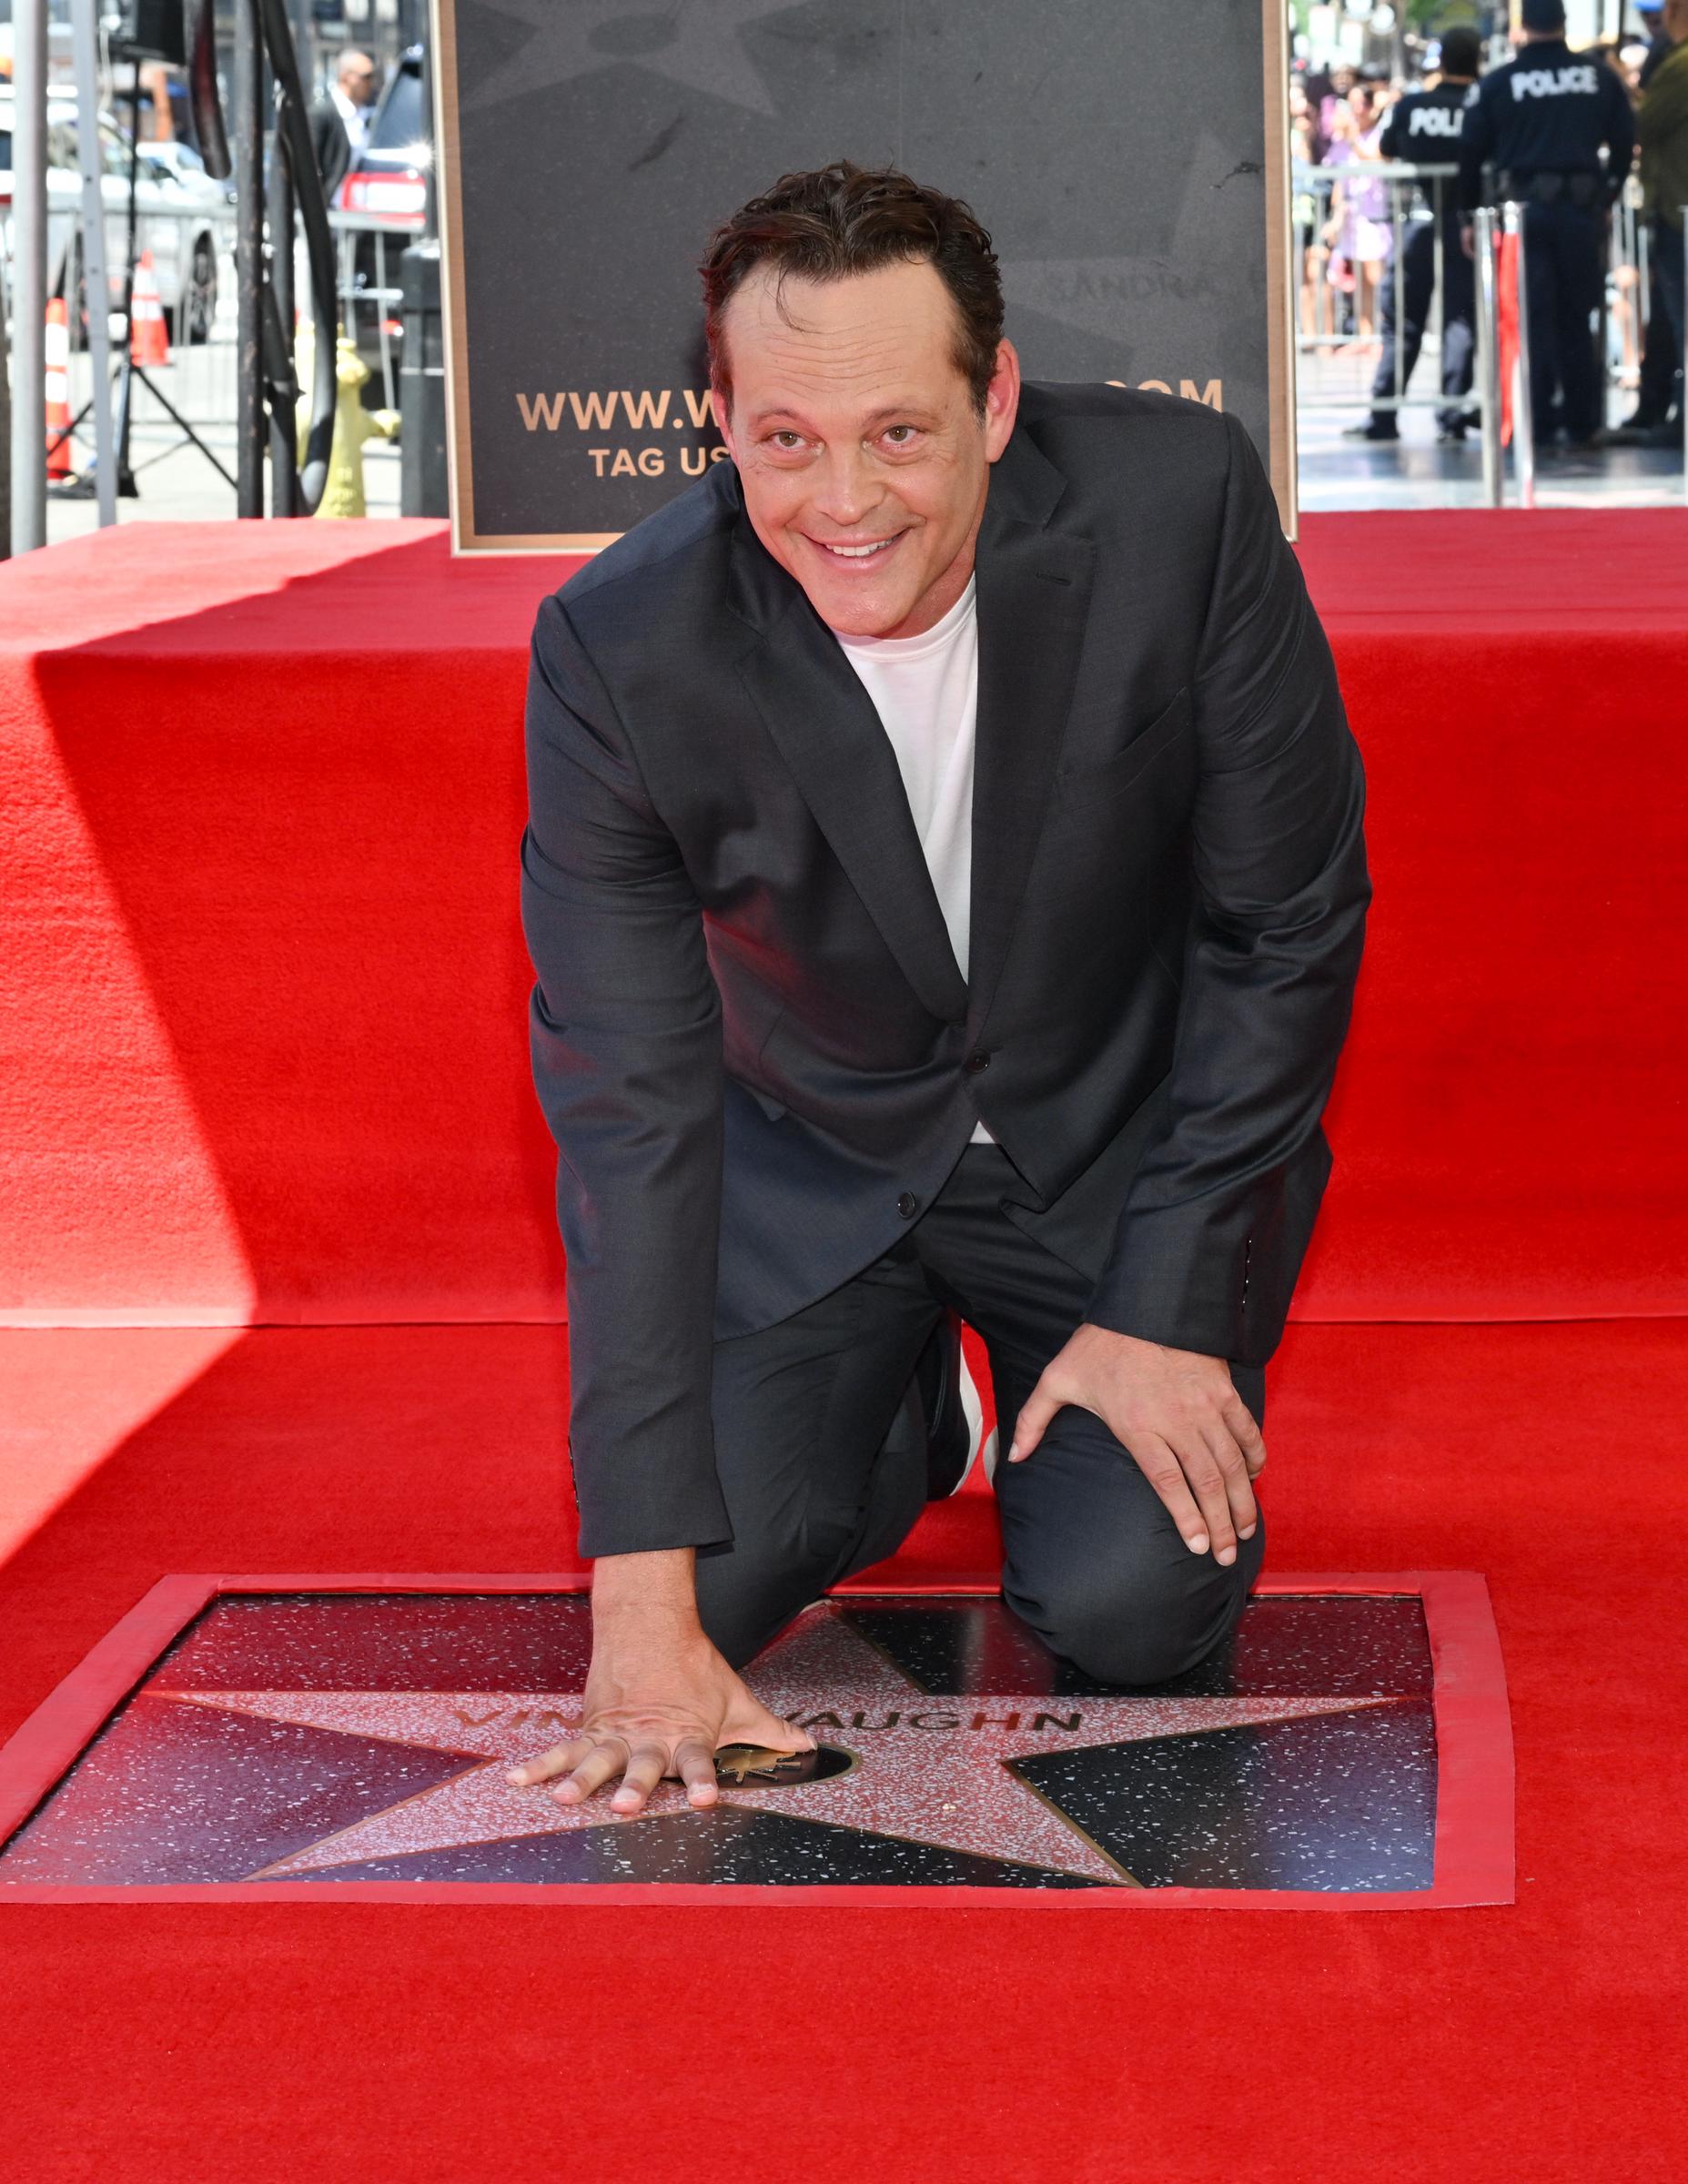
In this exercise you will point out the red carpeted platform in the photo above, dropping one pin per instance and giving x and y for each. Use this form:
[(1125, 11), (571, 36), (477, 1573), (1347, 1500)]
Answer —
[(261, 1060), (261, 978)]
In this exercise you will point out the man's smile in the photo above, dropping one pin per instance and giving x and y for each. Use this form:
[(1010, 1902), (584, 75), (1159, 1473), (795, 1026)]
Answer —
[(859, 553)]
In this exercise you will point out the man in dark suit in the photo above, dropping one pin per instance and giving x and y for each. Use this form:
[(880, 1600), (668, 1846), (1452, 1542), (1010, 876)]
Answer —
[(340, 120), (946, 880)]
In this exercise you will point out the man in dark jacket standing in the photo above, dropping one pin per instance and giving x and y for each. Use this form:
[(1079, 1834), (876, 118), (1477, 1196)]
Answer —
[(339, 121), (946, 882)]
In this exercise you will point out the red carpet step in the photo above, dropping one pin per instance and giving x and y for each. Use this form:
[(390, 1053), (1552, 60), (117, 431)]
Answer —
[(262, 1046)]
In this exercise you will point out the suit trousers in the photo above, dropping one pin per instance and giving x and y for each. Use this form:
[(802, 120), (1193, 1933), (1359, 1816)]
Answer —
[(817, 1486)]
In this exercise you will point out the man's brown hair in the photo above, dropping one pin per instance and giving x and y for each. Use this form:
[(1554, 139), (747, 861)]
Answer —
[(841, 220)]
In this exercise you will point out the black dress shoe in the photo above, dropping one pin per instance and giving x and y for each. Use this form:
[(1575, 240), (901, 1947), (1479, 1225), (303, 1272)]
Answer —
[(951, 1415), (1373, 429)]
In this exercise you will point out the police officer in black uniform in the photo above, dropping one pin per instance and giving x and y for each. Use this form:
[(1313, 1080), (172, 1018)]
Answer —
[(1539, 122), (1425, 127)]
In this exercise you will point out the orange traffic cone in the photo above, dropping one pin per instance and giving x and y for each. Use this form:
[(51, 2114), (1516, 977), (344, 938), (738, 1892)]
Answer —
[(57, 347), (148, 342)]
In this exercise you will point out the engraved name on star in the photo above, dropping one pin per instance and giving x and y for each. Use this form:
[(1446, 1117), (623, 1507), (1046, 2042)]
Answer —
[(930, 1768)]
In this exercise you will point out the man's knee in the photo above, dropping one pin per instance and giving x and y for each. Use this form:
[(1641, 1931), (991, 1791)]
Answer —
[(1138, 1619)]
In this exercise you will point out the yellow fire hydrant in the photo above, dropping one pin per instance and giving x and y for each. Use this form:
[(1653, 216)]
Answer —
[(353, 424)]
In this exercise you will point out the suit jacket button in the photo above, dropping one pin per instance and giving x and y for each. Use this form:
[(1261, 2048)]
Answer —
[(908, 1205), (975, 1062)]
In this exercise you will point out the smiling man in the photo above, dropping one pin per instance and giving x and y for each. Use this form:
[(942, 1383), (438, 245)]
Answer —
[(946, 882)]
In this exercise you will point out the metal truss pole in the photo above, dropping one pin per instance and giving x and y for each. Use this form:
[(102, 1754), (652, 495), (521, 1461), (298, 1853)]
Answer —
[(249, 164), (1489, 355), (29, 274), (1523, 416), (85, 35)]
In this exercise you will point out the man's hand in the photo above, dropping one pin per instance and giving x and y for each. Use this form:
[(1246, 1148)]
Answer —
[(1191, 1434), (659, 1700), (1468, 239)]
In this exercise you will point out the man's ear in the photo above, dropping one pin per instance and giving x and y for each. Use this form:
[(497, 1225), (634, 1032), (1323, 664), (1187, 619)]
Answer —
[(718, 408), (1002, 401)]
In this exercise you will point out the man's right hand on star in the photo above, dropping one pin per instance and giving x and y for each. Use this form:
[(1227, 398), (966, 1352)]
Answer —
[(659, 1700)]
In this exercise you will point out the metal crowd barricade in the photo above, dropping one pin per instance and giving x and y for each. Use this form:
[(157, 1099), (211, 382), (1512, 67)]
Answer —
[(1337, 357), (385, 295), (1416, 197), (201, 367), (1630, 292)]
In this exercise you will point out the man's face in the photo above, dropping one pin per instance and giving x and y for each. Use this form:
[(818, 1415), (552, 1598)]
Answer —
[(358, 78), (862, 458)]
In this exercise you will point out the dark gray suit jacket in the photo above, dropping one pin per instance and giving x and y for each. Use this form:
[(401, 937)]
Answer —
[(750, 1033)]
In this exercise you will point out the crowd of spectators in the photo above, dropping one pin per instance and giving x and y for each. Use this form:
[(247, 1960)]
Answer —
[(1348, 221)]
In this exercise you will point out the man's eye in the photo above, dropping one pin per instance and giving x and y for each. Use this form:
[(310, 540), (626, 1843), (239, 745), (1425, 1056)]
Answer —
[(786, 439), (901, 436)]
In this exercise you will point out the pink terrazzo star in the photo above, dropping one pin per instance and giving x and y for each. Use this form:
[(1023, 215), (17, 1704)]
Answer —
[(928, 1768)]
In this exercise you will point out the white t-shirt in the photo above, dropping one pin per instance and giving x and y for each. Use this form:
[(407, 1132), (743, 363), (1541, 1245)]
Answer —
[(925, 691)]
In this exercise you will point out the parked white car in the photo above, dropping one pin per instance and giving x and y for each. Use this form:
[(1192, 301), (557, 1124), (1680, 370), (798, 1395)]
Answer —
[(185, 220), (180, 163)]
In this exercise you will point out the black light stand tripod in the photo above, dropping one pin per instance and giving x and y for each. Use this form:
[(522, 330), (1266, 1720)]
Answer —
[(266, 380), (128, 370), (268, 391)]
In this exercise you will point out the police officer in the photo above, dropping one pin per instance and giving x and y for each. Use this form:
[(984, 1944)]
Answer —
[(1539, 122), (1425, 127)]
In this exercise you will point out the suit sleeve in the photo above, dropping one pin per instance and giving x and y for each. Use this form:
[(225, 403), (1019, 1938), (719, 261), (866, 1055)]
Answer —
[(1235, 1172), (625, 1038)]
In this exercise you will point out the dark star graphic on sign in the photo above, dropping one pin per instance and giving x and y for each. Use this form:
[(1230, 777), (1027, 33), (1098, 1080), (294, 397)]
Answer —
[(691, 42), (928, 1768)]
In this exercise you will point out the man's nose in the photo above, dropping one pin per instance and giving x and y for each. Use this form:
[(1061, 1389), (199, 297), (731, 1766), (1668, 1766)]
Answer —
[(847, 490)]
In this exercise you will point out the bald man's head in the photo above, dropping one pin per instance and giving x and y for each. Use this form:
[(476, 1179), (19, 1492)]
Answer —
[(358, 77)]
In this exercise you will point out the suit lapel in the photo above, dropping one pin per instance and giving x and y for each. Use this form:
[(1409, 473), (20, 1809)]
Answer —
[(830, 737), (1034, 589), (1034, 594)]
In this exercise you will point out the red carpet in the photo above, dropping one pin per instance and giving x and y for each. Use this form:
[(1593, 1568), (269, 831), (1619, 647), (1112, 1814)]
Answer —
[(261, 1058), (262, 979), (190, 2045)]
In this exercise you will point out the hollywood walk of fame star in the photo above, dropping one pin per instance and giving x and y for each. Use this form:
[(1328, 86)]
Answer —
[(690, 42), (930, 1768)]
